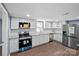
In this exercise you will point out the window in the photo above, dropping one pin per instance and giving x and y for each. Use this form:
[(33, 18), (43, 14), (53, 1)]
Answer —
[(39, 26)]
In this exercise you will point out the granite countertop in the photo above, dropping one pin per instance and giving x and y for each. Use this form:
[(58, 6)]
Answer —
[(16, 36), (13, 37), (42, 33)]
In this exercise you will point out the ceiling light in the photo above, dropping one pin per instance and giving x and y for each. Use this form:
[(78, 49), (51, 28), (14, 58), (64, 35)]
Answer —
[(28, 15)]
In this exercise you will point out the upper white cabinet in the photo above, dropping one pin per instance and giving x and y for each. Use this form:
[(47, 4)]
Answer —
[(56, 25), (52, 24), (47, 24), (14, 23), (32, 24)]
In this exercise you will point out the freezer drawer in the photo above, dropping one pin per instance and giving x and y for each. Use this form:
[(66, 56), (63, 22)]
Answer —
[(73, 42), (0, 50)]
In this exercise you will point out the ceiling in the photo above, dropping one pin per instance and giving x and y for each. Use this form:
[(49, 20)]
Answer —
[(43, 10)]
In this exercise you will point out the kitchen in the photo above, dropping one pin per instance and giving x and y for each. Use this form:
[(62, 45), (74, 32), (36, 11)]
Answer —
[(33, 25)]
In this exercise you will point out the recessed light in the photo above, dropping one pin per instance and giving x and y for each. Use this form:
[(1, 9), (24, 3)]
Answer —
[(28, 15)]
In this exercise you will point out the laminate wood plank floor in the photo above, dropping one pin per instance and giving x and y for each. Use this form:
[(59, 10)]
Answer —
[(49, 49)]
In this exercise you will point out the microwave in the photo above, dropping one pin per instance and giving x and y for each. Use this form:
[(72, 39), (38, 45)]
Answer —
[(24, 25)]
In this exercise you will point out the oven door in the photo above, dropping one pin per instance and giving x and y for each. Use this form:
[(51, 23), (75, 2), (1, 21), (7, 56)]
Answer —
[(25, 44)]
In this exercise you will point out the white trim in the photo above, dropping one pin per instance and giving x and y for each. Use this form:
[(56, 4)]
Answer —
[(5, 19), (1, 7)]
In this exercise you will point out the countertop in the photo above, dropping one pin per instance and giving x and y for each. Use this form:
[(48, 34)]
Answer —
[(43, 33), (16, 36)]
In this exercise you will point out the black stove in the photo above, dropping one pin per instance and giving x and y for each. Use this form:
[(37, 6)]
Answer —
[(25, 41)]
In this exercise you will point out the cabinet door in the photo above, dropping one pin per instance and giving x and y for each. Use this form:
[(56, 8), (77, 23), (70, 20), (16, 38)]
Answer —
[(58, 37), (14, 23), (39, 39), (44, 38), (14, 45), (32, 24), (47, 24), (35, 41)]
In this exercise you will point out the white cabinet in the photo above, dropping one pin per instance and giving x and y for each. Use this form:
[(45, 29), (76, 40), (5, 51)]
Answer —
[(56, 25), (47, 24), (44, 38), (14, 23), (14, 45), (35, 40), (58, 37), (32, 24), (39, 39), (52, 24)]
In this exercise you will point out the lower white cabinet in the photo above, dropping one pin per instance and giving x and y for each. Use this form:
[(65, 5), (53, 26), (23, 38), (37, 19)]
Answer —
[(58, 37), (14, 45), (36, 40), (39, 39)]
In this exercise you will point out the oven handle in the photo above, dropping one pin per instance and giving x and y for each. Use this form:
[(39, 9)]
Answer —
[(25, 38)]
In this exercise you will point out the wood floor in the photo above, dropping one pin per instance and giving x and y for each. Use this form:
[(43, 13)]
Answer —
[(49, 49)]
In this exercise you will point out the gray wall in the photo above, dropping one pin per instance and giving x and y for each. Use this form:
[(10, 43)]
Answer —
[(73, 21)]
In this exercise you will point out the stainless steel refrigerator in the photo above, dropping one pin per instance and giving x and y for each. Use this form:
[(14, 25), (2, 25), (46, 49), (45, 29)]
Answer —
[(71, 35)]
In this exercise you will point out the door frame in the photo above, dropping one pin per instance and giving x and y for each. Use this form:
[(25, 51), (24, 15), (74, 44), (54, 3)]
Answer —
[(5, 18)]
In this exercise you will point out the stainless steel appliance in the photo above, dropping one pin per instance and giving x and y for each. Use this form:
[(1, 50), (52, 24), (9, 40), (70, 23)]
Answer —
[(24, 25), (25, 41), (71, 35)]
